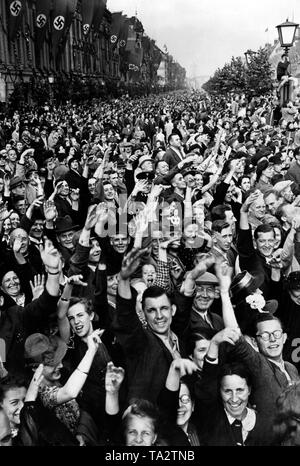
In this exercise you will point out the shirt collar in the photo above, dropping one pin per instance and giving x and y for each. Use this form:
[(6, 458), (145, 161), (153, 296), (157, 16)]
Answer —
[(171, 338), (248, 422), (282, 368), (35, 241)]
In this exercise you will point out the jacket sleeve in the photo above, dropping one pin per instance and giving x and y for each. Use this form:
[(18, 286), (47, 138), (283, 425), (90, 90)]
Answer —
[(28, 432), (245, 244), (79, 260), (206, 387), (252, 359), (39, 310), (181, 319), (168, 404), (128, 327)]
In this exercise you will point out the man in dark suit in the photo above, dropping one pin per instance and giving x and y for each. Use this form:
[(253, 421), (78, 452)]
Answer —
[(175, 153), (198, 293), (148, 351)]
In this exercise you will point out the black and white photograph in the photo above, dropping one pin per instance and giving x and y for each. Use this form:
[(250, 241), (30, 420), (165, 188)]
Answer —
[(149, 226)]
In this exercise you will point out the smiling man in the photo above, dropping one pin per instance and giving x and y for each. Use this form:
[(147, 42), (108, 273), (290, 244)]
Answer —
[(269, 372), (148, 351), (256, 255)]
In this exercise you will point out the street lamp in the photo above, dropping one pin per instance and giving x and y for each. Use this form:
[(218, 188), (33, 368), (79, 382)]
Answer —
[(51, 82), (286, 33)]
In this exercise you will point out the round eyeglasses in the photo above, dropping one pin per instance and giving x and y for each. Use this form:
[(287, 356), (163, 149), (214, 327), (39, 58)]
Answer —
[(267, 335), (185, 399)]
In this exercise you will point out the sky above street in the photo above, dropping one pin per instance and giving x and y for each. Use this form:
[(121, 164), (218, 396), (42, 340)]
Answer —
[(203, 35)]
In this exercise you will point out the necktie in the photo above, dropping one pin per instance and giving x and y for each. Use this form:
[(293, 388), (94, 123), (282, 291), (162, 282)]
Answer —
[(236, 428)]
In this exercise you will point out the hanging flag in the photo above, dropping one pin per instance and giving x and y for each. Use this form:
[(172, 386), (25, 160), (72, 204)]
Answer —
[(123, 36), (58, 23), (15, 11), (131, 37), (87, 14), (41, 22), (115, 28), (100, 6), (71, 8)]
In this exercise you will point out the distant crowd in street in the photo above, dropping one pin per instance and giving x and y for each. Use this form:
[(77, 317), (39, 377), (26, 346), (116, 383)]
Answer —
[(150, 272)]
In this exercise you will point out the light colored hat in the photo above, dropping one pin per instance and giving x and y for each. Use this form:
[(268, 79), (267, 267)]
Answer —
[(282, 185), (143, 159), (207, 279)]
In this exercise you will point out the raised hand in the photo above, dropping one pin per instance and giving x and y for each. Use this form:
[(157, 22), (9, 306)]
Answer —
[(223, 273), (113, 378), (275, 261), (188, 159), (36, 381), (38, 202), (91, 218), (141, 223), (17, 245), (50, 211), (6, 181), (296, 223), (250, 199), (56, 190), (131, 262), (50, 257), (102, 212), (205, 261), (37, 286), (4, 213), (140, 185), (164, 244), (156, 190), (230, 335), (183, 366), (94, 340), (76, 280)]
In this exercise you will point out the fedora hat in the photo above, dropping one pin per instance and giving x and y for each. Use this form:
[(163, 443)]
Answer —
[(243, 285), (47, 350), (65, 224)]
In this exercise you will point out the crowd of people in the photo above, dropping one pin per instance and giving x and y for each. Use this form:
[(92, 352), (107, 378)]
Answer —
[(150, 273)]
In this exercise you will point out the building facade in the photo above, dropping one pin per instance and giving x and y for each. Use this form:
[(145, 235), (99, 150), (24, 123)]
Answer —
[(82, 64)]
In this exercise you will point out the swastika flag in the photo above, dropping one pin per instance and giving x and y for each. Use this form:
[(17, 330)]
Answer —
[(15, 11), (58, 23)]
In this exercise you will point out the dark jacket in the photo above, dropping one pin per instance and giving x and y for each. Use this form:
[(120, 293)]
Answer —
[(196, 323), (17, 323), (268, 380), (147, 358), (252, 261), (171, 157)]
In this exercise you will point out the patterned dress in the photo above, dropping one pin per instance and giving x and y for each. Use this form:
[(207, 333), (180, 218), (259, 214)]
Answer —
[(68, 413)]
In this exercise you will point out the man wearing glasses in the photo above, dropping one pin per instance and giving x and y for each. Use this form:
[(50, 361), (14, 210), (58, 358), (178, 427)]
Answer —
[(263, 358)]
